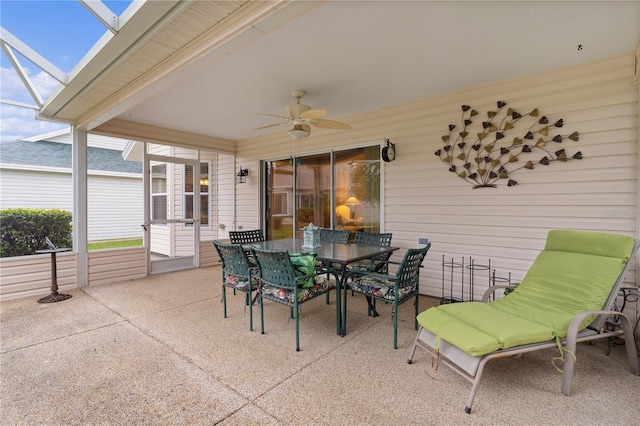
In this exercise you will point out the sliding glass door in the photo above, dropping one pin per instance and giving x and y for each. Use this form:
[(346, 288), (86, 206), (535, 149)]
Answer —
[(357, 189), (339, 190), (313, 191), (279, 199)]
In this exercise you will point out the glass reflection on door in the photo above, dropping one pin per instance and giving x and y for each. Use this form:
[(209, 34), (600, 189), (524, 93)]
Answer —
[(357, 194), (301, 190), (313, 191), (279, 199)]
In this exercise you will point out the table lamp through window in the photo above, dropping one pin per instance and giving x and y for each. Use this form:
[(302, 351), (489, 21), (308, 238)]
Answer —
[(352, 202)]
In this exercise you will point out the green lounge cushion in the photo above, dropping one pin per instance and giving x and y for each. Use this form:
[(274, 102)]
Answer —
[(478, 328), (574, 273), (596, 243), (578, 282)]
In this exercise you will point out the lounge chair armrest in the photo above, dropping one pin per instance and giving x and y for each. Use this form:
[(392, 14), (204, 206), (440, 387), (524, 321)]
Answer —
[(574, 326), (572, 341), (488, 292)]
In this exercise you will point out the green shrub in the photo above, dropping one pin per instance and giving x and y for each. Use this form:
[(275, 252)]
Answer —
[(23, 231)]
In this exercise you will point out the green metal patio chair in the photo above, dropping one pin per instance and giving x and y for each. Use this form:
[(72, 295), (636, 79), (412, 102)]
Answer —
[(395, 289), (334, 236), (239, 274), (331, 236), (246, 237), (377, 264), (289, 285)]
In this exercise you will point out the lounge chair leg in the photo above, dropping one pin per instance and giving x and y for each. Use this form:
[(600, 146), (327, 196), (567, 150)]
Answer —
[(567, 375), (474, 387), (630, 344), (412, 352)]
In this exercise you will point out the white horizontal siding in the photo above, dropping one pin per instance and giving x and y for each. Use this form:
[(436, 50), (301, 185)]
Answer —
[(114, 265), (208, 254), (115, 208), (506, 224), (35, 190), (94, 140), (24, 276), (184, 240), (160, 239), (114, 203), (225, 196)]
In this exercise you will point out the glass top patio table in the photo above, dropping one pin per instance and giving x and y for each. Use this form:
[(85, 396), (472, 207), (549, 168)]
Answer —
[(331, 253)]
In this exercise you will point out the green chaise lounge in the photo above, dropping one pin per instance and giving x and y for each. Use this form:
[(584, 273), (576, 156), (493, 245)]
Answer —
[(565, 298)]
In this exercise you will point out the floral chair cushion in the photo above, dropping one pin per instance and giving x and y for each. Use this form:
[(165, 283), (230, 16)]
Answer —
[(320, 286), (360, 265), (241, 283), (378, 286)]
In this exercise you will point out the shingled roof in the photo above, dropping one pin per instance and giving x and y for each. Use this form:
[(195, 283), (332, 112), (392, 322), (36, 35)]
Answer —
[(51, 154)]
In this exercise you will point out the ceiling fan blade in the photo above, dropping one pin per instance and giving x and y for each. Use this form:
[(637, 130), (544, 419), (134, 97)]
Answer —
[(282, 117), (330, 124), (313, 114), (268, 125)]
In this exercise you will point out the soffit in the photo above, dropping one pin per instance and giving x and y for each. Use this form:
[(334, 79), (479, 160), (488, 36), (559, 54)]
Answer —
[(132, 56)]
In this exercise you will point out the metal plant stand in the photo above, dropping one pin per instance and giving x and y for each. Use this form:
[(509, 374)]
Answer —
[(54, 296), (453, 268)]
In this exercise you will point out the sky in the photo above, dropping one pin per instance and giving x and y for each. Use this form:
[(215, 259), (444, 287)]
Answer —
[(62, 31)]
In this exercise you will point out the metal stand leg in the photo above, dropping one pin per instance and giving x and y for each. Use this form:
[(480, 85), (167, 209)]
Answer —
[(54, 296)]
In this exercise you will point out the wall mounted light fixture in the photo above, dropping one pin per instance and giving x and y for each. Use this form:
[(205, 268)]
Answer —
[(242, 175)]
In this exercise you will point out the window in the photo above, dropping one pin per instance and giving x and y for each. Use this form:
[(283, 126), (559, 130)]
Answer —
[(159, 205), (280, 206), (188, 191)]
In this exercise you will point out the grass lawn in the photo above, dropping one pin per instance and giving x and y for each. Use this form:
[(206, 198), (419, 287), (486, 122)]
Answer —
[(115, 244)]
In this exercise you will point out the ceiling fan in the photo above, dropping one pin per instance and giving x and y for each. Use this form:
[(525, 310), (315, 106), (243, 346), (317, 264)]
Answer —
[(302, 117)]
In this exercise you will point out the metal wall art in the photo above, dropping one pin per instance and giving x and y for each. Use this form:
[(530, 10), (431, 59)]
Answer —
[(484, 156)]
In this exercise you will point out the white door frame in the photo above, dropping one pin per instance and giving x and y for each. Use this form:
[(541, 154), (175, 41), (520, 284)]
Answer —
[(155, 266)]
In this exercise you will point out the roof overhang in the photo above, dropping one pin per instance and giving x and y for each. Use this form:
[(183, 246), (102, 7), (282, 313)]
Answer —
[(159, 44)]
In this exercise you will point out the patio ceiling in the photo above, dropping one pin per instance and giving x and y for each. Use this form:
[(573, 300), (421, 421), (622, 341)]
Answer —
[(208, 68)]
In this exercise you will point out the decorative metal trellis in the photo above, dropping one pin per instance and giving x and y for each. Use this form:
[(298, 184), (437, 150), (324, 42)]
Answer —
[(485, 156)]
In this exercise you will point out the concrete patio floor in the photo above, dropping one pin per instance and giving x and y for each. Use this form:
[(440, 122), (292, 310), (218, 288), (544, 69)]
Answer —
[(158, 351)]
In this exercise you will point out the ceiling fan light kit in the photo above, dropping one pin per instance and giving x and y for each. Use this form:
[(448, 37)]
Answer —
[(303, 117), (300, 131)]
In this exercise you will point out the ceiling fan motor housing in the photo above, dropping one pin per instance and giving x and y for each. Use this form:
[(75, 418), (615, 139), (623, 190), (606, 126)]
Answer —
[(296, 110)]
